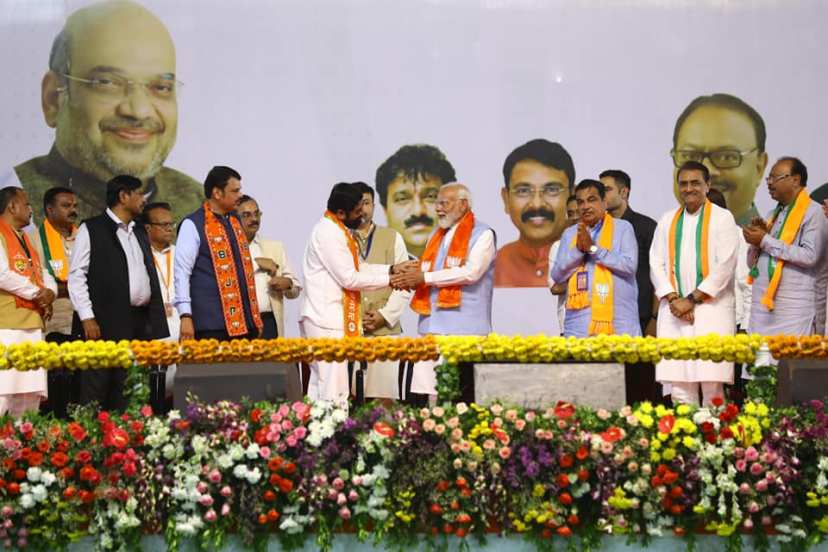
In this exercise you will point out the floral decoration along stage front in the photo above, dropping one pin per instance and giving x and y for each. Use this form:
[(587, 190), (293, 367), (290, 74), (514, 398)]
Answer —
[(80, 355), (298, 471)]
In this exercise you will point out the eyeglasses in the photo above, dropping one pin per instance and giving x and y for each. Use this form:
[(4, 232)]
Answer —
[(776, 178), (721, 159), (550, 192), (163, 225), (116, 86)]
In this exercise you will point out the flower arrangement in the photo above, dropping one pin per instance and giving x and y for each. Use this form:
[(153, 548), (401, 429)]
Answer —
[(295, 471)]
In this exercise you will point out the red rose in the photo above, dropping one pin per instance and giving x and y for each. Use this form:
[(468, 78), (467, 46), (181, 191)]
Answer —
[(136, 426), (67, 472), (666, 423), (436, 509), (573, 519), (707, 427), (443, 485), (35, 458), (383, 429), (566, 461), (77, 431), (90, 474), (83, 457), (59, 459), (269, 496), (86, 496), (129, 469), (582, 453), (289, 468), (103, 416), (562, 480), (43, 446), (564, 410), (182, 425), (146, 411), (565, 499), (717, 401), (612, 434), (69, 492), (463, 518), (564, 531), (13, 488), (256, 415), (274, 463), (726, 433), (117, 438), (670, 477), (285, 485), (583, 475)]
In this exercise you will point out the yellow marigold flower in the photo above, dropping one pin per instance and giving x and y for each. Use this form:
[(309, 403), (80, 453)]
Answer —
[(683, 410), (669, 454), (646, 407), (688, 442), (655, 457), (750, 408), (538, 490), (655, 444)]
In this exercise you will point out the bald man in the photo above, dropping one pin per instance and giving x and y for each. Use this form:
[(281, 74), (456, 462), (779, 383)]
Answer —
[(454, 283), (111, 95)]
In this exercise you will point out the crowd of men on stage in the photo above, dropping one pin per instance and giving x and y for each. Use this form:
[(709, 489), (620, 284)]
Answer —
[(124, 274)]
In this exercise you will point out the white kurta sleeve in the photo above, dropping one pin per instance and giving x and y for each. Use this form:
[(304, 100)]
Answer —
[(393, 309), (332, 249), (660, 259), (15, 283), (479, 260), (724, 239)]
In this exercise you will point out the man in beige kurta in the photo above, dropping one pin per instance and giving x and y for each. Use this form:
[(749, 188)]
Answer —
[(691, 304), (25, 297)]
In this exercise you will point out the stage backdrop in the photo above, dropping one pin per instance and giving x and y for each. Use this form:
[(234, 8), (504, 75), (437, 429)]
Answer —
[(298, 95)]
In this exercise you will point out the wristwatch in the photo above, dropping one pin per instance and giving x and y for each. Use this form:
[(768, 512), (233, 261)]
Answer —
[(593, 249), (692, 299)]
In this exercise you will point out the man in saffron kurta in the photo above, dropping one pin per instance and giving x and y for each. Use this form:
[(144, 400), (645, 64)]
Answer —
[(597, 259), (692, 265), (334, 277), (27, 291), (215, 290), (784, 254), (455, 279)]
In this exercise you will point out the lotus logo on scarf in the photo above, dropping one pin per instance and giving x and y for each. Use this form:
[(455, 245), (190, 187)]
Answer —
[(603, 292)]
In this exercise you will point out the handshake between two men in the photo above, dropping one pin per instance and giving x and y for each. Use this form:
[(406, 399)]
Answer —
[(407, 275)]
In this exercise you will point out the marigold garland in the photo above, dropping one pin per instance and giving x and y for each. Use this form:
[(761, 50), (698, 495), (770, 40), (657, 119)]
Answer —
[(81, 355)]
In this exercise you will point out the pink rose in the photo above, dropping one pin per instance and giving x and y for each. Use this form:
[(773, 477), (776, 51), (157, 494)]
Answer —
[(626, 411), (264, 452), (530, 416), (762, 485), (201, 487), (520, 424), (456, 434), (741, 465), (353, 496), (206, 500), (453, 422), (489, 444), (341, 499), (606, 447), (284, 410), (744, 488), (210, 516), (344, 513), (214, 477), (505, 452), (496, 409), (438, 411), (603, 414), (511, 414), (428, 424), (751, 454), (756, 468), (226, 491), (338, 484), (287, 425), (300, 432), (225, 509), (439, 429), (455, 448), (291, 441)]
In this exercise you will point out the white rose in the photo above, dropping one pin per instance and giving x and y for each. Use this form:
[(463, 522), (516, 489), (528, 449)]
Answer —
[(33, 474), (26, 501)]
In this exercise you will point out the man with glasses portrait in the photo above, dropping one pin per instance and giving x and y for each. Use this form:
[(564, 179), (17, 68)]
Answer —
[(727, 135), (538, 179), (111, 95), (784, 256)]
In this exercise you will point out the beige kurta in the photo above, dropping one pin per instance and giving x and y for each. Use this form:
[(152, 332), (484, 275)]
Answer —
[(717, 315)]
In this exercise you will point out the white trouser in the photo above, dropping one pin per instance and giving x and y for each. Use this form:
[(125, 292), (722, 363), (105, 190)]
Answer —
[(328, 380), (687, 392), (18, 403)]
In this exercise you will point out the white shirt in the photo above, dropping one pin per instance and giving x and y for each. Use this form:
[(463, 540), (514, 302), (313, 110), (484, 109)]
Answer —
[(478, 261), (17, 284), (261, 278), (328, 268), (162, 260), (560, 300), (139, 283)]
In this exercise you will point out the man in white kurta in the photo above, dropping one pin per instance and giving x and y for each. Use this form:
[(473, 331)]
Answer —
[(21, 321), (328, 267), (795, 302), (439, 269), (691, 305)]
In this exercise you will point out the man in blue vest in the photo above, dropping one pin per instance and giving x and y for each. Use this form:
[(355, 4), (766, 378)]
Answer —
[(454, 284), (215, 290)]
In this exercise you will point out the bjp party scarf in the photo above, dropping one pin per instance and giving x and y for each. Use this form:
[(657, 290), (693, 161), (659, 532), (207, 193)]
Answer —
[(602, 288), (448, 297), (790, 228), (351, 298), (55, 254), (23, 260), (702, 246), (226, 275)]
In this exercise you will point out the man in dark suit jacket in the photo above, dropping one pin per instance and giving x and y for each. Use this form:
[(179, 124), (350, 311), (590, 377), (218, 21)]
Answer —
[(113, 286)]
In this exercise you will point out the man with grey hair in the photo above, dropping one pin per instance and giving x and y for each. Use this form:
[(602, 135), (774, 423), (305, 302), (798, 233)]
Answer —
[(111, 95), (454, 283)]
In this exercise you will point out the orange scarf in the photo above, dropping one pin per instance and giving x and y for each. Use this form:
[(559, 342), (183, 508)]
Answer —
[(53, 250), (790, 228), (449, 296), (23, 260), (351, 298), (225, 268), (702, 249), (601, 310)]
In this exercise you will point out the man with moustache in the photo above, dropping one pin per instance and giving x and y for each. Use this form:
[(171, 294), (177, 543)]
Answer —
[(597, 260), (407, 184), (111, 95), (693, 260), (538, 178), (275, 279), (453, 282), (335, 276), (728, 136), (27, 291), (54, 239), (215, 287), (114, 287), (784, 255)]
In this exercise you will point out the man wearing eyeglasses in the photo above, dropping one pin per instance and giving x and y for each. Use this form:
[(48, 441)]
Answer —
[(538, 179), (275, 279), (728, 136), (784, 255), (113, 105)]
